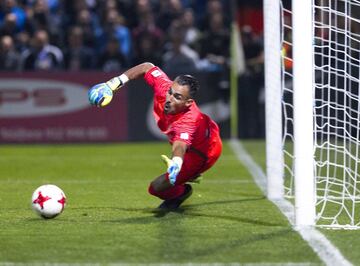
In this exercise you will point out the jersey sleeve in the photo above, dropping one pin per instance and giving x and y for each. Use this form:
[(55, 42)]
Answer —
[(158, 81)]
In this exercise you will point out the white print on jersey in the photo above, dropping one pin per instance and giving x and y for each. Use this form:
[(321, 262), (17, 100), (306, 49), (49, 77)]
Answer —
[(184, 136), (156, 73)]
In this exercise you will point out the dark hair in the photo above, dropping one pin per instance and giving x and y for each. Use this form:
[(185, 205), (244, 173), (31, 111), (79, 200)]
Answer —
[(191, 82)]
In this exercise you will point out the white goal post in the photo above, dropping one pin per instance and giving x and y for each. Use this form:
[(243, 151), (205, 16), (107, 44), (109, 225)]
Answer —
[(312, 90)]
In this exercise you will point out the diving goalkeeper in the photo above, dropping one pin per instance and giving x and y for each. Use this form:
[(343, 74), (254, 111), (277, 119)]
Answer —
[(194, 137)]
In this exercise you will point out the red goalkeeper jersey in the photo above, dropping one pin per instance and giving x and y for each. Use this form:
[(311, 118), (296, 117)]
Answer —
[(194, 128)]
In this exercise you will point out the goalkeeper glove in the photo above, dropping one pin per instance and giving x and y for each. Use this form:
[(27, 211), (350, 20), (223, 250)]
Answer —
[(100, 95), (173, 167)]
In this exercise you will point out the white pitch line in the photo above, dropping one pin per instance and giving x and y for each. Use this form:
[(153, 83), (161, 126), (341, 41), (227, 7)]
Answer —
[(327, 252)]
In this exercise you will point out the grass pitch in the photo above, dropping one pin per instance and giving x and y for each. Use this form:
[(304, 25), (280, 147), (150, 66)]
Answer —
[(110, 217), (347, 241)]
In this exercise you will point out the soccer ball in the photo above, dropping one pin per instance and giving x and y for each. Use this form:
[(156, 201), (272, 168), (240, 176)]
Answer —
[(48, 201)]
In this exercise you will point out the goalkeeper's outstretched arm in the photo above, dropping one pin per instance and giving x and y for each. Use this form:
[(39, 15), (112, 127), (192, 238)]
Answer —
[(101, 94), (133, 73), (138, 71)]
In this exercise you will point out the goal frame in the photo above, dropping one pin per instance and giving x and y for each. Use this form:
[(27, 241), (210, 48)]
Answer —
[(305, 192)]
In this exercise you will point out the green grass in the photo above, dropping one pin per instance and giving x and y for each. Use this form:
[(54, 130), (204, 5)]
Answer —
[(110, 216), (347, 241)]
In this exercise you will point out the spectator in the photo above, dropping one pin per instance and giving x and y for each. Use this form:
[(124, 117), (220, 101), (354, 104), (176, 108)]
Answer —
[(91, 28), (212, 7), (42, 55), (253, 51), (76, 55), (147, 28), (115, 26), (139, 10), (213, 42), (250, 85), (112, 59), (170, 10), (179, 57), (71, 10), (147, 50), (9, 57), (147, 24), (214, 49), (137, 26), (11, 7), (22, 41), (9, 25), (40, 17), (192, 34)]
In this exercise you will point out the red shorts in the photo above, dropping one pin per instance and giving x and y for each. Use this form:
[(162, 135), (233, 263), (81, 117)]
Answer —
[(196, 163)]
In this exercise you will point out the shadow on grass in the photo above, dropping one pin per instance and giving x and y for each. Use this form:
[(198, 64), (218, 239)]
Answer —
[(226, 245), (189, 211)]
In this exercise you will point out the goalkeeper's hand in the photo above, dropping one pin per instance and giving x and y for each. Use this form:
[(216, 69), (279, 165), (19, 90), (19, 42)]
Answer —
[(100, 95), (173, 167)]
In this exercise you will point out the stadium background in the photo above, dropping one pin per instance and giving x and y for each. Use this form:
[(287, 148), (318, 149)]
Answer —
[(52, 51)]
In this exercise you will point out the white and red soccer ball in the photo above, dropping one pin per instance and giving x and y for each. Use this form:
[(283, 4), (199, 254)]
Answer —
[(48, 201)]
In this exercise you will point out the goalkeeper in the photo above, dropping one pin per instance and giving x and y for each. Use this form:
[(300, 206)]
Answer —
[(194, 137)]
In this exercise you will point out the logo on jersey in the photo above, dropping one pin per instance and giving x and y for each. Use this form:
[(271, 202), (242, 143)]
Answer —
[(184, 136), (156, 73)]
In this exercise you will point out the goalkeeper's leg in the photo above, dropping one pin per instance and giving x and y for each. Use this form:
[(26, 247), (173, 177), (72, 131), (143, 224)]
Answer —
[(175, 195), (191, 168), (170, 192)]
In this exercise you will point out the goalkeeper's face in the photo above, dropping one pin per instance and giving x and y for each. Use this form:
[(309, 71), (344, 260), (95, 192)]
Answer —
[(177, 99)]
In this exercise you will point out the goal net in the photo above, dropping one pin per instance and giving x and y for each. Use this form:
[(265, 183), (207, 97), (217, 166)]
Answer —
[(335, 109)]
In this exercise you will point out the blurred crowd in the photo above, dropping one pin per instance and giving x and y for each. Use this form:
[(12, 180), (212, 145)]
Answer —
[(181, 36), (111, 35)]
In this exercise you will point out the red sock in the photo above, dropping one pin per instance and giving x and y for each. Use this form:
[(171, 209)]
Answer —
[(170, 193)]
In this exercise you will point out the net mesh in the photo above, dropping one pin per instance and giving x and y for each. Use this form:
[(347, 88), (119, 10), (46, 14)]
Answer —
[(287, 100), (336, 29)]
